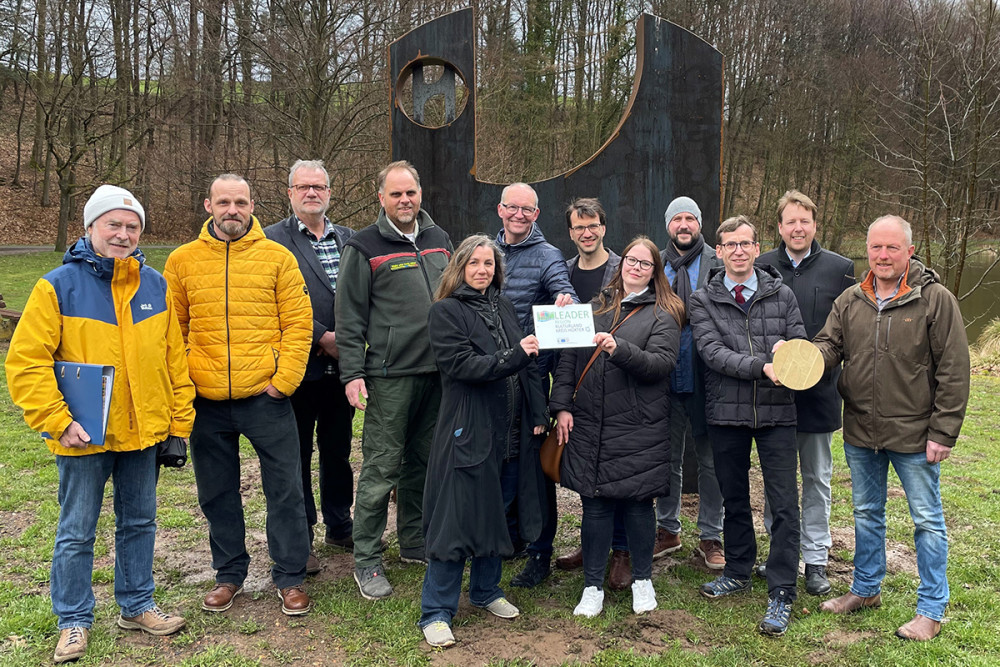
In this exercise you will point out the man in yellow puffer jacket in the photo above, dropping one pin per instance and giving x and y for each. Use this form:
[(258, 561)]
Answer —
[(245, 313), (103, 306)]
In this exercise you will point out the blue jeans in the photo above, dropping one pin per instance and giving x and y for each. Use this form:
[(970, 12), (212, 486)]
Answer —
[(869, 470), (269, 425), (443, 586), (81, 491)]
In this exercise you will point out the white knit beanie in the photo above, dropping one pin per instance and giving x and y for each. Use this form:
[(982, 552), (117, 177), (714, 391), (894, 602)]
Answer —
[(682, 205), (109, 198)]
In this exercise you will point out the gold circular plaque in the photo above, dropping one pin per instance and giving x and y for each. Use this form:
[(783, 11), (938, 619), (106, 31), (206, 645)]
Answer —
[(798, 364)]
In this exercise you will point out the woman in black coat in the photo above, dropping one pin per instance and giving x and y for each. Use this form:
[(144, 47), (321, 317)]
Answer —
[(491, 406), (616, 427)]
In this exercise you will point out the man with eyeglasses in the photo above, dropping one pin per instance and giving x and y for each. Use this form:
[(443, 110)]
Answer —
[(388, 274), (535, 274), (589, 272), (319, 403), (741, 314), (817, 276), (687, 260)]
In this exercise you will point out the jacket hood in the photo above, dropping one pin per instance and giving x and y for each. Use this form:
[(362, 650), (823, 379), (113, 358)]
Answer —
[(534, 238), (256, 233), (768, 278), (104, 267)]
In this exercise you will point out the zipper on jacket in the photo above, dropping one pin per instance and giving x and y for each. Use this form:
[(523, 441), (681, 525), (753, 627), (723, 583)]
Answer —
[(423, 269), (878, 327), (229, 351), (750, 343), (888, 330)]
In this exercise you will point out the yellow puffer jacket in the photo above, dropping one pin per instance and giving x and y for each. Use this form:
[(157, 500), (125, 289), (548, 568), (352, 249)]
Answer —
[(244, 311), (98, 310)]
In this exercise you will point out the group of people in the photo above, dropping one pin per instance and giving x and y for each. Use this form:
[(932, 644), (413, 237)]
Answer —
[(280, 334)]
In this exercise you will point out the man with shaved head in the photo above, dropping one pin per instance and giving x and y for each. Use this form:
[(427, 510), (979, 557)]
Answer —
[(905, 385)]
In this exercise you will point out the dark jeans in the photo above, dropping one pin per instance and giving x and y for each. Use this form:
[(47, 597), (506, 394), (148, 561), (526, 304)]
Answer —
[(778, 452), (443, 586), (543, 545), (596, 536), (269, 425), (321, 405)]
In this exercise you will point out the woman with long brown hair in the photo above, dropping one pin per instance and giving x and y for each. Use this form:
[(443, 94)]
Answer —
[(615, 426)]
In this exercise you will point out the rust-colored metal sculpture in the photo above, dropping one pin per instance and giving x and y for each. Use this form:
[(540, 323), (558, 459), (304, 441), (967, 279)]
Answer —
[(667, 144)]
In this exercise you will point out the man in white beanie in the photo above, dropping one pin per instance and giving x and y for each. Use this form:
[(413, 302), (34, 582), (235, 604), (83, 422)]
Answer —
[(103, 306), (687, 260)]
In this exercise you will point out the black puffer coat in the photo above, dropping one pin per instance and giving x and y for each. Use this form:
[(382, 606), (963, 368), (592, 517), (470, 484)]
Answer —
[(735, 346), (463, 504), (619, 446)]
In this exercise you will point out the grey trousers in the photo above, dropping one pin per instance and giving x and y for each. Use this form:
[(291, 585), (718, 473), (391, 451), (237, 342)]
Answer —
[(668, 508), (816, 464)]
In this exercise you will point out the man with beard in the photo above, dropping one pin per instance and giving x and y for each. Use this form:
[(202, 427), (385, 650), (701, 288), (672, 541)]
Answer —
[(246, 318), (388, 274), (319, 403), (687, 260)]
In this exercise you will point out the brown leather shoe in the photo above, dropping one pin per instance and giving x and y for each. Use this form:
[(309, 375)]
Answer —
[(221, 597), (850, 602), (620, 576), (294, 601), (711, 552), (312, 564), (920, 629), (666, 543), (72, 645), (571, 561)]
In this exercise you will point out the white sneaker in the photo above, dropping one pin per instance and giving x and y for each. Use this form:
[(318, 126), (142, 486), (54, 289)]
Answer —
[(643, 596), (592, 602)]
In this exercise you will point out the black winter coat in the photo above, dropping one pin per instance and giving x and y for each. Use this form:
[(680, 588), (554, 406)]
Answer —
[(463, 504), (620, 444), (816, 282), (735, 346)]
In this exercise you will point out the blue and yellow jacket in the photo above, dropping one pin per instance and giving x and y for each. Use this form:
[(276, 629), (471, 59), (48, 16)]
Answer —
[(98, 310)]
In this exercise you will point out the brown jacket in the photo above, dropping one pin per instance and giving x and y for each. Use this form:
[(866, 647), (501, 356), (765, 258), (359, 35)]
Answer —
[(906, 368)]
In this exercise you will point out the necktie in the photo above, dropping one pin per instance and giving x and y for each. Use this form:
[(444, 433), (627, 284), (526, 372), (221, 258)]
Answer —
[(739, 294)]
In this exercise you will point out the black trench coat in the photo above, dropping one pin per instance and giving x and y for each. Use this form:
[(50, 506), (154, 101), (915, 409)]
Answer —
[(463, 504)]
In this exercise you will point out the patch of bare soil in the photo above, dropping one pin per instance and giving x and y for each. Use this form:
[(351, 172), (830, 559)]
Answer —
[(556, 641), (844, 638), (12, 524)]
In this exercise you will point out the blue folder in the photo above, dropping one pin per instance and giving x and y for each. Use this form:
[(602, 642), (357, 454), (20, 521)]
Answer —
[(86, 388)]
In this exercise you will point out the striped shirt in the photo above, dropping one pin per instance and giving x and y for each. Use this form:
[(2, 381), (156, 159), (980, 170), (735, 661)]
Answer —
[(326, 249)]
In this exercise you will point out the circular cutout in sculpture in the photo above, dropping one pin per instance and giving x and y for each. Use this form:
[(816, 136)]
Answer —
[(431, 92)]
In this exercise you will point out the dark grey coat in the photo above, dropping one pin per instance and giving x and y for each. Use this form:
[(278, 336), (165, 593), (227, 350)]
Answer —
[(816, 282), (735, 346), (620, 445), (463, 503), (321, 294)]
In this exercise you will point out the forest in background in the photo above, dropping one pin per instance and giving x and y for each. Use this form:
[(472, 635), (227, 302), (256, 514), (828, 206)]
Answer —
[(868, 106)]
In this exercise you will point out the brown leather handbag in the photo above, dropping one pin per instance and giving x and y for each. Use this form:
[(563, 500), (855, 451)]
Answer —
[(551, 451)]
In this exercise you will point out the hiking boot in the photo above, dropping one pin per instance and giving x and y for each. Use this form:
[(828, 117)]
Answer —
[(221, 597), (920, 629), (413, 555), (372, 582), (666, 543), (711, 552), (438, 634), (312, 564), (154, 621), (72, 644), (761, 570), (345, 542), (643, 596), (777, 617), (501, 608), (591, 603), (849, 602), (620, 574), (294, 601), (722, 586), (571, 561), (535, 571), (816, 581)]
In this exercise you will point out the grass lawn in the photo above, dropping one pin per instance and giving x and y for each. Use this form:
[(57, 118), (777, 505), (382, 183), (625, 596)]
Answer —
[(343, 628)]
